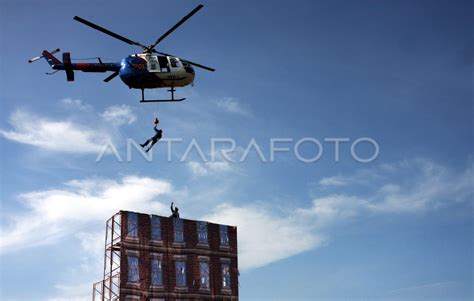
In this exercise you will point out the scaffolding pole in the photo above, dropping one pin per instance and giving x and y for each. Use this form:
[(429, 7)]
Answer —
[(108, 289)]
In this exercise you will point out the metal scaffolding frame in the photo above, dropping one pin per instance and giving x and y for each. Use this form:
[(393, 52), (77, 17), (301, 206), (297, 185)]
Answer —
[(108, 289)]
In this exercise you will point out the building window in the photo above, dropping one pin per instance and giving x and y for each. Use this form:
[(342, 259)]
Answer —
[(204, 275), (202, 232), (155, 228), (225, 276), (132, 225), (224, 235), (156, 272), (133, 275), (180, 273), (178, 230)]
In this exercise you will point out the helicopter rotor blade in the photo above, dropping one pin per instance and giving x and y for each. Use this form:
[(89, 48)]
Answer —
[(108, 32), (191, 63), (201, 66), (184, 19)]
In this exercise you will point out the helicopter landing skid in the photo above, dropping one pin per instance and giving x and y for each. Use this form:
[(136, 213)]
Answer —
[(162, 100)]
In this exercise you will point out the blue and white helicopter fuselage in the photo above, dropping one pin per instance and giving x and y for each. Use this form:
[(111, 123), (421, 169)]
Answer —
[(149, 71)]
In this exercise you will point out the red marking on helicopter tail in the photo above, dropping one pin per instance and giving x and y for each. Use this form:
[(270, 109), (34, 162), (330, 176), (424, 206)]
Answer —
[(82, 65)]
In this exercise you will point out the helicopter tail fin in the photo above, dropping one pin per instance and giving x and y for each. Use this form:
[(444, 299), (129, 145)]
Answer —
[(50, 58), (56, 64), (68, 66)]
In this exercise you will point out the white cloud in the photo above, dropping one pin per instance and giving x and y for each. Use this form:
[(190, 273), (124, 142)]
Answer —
[(426, 291), (333, 181), (73, 292), (429, 186), (232, 105), (264, 236), (406, 187), (54, 135), (54, 213), (87, 134), (119, 115), (208, 168), (92, 250), (197, 169), (218, 166), (76, 104), (78, 284), (332, 209)]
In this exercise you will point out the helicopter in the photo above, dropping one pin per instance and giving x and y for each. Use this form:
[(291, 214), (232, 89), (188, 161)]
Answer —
[(150, 69)]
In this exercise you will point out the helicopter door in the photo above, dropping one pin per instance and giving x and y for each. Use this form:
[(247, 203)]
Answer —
[(164, 64)]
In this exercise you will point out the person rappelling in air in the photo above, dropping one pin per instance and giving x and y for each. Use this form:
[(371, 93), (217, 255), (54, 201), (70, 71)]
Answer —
[(154, 139)]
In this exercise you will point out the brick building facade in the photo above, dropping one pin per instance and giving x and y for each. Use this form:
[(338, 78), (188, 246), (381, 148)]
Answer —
[(164, 258)]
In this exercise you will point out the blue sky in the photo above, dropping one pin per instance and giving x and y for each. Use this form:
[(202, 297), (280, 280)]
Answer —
[(398, 72)]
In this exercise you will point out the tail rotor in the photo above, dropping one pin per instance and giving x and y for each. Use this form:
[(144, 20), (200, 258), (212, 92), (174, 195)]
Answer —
[(42, 56)]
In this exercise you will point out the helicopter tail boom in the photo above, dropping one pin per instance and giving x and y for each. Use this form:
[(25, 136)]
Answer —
[(69, 67)]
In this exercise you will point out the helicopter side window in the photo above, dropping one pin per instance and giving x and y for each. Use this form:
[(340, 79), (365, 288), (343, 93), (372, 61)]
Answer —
[(153, 65), (174, 62), (163, 60)]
